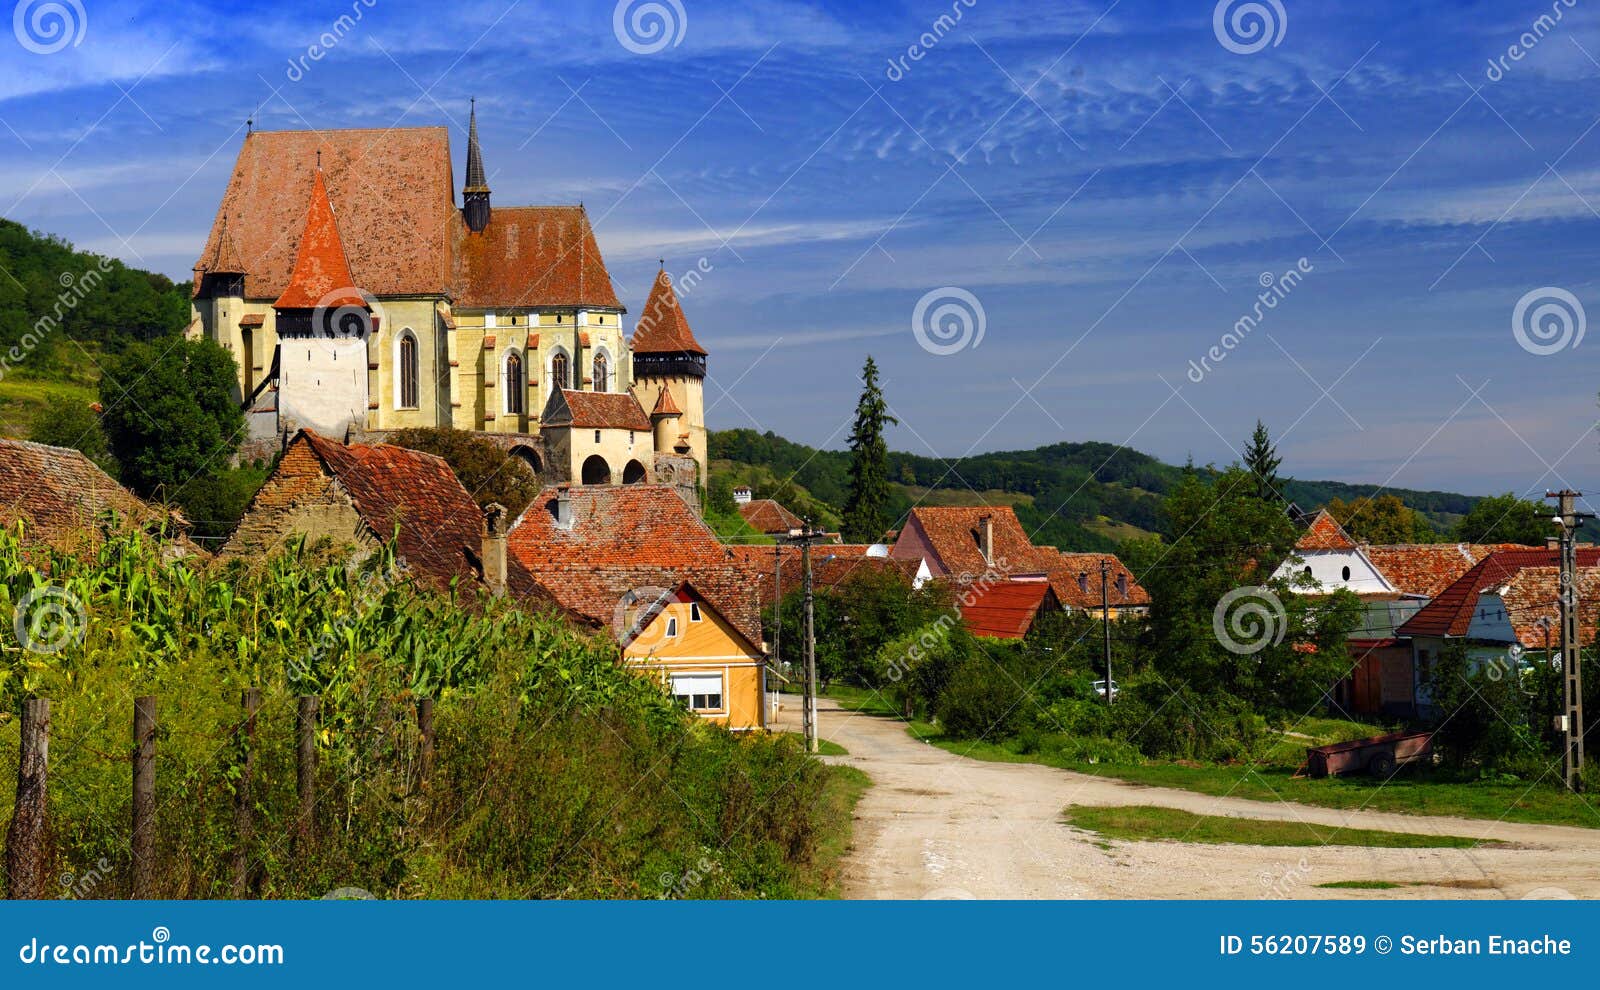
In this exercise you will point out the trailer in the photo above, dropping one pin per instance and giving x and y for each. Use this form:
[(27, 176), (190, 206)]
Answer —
[(1379, 756)]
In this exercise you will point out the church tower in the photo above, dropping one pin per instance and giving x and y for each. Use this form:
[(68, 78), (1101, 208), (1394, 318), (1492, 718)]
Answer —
[(475, 195), (324, 325), (219, 286), (669, 370)]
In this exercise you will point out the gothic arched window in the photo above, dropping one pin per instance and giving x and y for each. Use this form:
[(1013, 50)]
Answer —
[(516, 387), (406, 371), (558, 371), (602, 373)]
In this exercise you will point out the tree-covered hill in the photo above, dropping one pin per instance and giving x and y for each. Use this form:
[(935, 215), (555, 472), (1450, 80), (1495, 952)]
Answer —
[(1078, 496)]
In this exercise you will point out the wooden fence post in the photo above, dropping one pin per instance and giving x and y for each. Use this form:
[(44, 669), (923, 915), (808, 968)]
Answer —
[(144, 796), (25, 837), (425, 750), (306, 767), (243, 810)]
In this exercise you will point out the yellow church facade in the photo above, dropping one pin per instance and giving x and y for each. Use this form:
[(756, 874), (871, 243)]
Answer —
[(359, 298)]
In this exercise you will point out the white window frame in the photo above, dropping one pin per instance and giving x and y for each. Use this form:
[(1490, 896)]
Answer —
[(550, 367), (704, 679)]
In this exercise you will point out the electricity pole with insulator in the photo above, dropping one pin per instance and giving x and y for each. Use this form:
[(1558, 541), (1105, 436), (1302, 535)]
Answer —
[(1571, 720), (1105, 626)]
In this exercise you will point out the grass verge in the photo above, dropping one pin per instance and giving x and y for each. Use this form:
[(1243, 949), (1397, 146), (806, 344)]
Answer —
[(1145, 823), (825, 747), (1412, 792), (836, 826)]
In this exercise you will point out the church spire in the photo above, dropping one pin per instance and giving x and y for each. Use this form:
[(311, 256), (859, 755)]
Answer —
[(475, 195)]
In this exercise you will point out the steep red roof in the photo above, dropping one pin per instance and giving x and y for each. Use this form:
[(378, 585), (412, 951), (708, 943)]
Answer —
[(832, 565), (662, 328), (596, 410), (61, 496), (397, 211), (1532, 605), (321, 275), (1075, 578), (665, 405), (766, 516), (1325, 533), (532, 255), (953, 533), (624, 538), (226, 258), (1006, 610), (440, 527), (1450, 612)]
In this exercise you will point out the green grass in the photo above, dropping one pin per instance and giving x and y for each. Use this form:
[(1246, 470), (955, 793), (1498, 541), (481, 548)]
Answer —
[(825, 747), (1145, 823), (836, 826), (1413, 791), (1361, 885), (23, 401), (858, 699)]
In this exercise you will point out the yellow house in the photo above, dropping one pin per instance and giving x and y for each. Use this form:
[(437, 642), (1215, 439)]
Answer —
[(700, 656)]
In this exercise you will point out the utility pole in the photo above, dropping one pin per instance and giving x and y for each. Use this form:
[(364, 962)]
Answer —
[(1105, 624), (805, 537), (1569, 519)]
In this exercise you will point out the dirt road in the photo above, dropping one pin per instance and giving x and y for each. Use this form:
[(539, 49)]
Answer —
[(939, 825)]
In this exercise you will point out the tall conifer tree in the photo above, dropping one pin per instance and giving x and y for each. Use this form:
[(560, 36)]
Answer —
[(866, 511), (1262, 460)]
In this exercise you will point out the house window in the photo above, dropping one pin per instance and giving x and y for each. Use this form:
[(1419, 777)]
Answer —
[(672, 626), (596, 436), (1083, 580), (558, 371), (1122, 584), (516, 387), (1345, 573), (406, 370), (700, 692), (694, 611), (602, 373)]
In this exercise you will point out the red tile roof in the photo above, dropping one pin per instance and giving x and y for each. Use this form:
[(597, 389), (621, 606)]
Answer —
[(397, 211), (532, 255), (1425, 569), (441, 528), (623, 538), (1450, 612), (766, 516), (1532, 605), (1075, 578), (596, 410), (321, 275), (227, 257), (662, 328), (1325, 533), (61, 496), (831, 567), (953, 534), (1006, 610), (665, 405)]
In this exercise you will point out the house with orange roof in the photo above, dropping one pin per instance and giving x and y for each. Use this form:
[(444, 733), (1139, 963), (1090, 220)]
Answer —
[(637, 561), (769, 517), (1327, 559), (1007, 609), (360, 496), (358, 297)]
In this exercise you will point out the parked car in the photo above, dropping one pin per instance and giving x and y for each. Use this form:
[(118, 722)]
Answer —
[(1100, 689)]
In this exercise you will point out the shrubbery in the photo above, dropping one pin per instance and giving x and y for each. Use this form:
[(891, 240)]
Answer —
[(558, 773)]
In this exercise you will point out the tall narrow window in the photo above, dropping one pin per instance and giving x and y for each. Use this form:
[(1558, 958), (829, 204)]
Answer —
[(408, 371), (515, 388), (602, 376), (558, 371)]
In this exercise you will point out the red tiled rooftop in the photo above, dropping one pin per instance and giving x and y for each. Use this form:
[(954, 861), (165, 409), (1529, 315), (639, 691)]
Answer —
[(597, 411), (1075, 578), (662, 327), (60, 495), (321, 275), (953, 533), (767, 516), (531, 255), (1325, 533), (1005, 610), (1450, 613)]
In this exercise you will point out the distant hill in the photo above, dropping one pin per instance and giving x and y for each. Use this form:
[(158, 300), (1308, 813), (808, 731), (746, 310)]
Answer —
[(60, 309), (1077, 496)]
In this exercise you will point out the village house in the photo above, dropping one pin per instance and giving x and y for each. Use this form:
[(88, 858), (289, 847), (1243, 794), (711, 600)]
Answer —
[(360, 496), (969, 545), (639, 561), (768, 517), (779, 570), (1007, 609), (359, 298), (1505, 605), (63, 499)]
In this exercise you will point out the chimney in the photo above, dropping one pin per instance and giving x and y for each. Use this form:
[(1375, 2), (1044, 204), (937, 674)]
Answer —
[(494, 548), (564, 507), (986, 539)]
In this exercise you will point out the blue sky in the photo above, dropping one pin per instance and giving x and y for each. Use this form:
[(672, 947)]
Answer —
[(1111, 182)]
